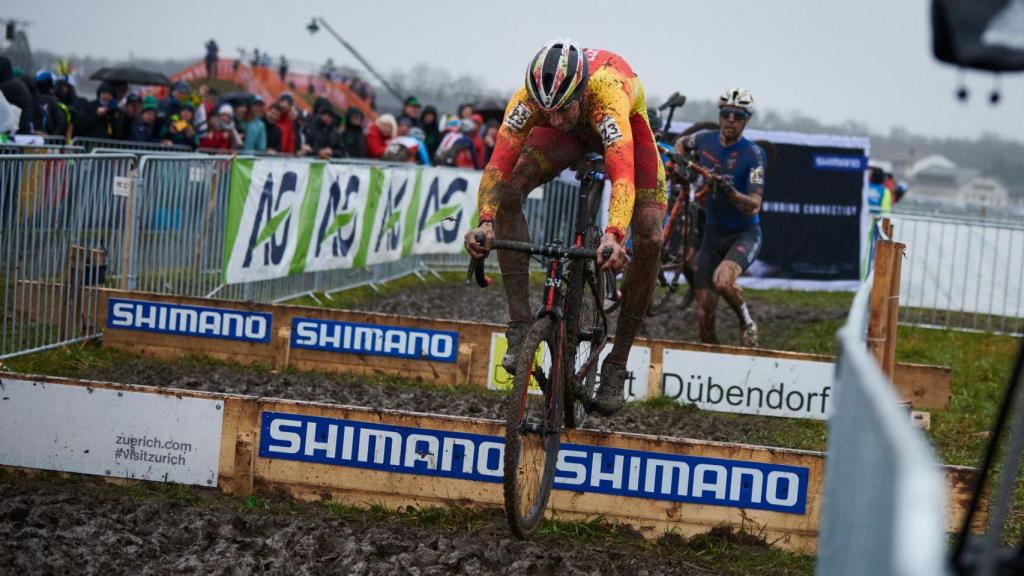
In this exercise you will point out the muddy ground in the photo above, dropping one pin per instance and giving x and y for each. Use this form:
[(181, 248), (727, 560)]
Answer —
[(50, 525), (85, 526), (776, 320)]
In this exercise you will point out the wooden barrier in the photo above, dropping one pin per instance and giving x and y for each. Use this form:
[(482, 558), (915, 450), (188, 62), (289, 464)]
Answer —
[(923, 386), (244, 468), (885, 299)]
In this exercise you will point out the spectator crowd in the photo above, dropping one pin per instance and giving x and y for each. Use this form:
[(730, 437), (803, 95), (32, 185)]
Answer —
[(195, 117)]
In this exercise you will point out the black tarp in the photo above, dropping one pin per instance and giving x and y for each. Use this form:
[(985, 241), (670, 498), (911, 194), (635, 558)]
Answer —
[(981, 34), (811, 216)]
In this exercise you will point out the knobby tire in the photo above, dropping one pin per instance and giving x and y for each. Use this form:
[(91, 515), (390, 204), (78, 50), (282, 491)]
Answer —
[(530, 457)]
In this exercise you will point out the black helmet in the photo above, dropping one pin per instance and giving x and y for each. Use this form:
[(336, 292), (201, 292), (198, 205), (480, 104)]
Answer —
[(557, 74)]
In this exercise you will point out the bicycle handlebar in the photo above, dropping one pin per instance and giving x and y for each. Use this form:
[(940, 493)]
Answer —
[(476, 268)]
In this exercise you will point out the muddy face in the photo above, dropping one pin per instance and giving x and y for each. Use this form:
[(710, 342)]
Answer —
[(565, 119)]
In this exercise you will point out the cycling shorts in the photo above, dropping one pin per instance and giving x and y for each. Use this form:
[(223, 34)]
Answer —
[(720, 244)]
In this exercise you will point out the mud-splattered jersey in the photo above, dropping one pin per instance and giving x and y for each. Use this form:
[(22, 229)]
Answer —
[(741, 164), (612, 95)]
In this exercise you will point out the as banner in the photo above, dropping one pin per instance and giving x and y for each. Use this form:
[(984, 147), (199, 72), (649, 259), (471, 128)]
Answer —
[(385, 216), (340, 215), (445, 211), (288, 217), (266, 212)]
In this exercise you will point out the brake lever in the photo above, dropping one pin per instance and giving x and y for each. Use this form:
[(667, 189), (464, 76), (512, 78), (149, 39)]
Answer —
[(476, 267), (610, 288)]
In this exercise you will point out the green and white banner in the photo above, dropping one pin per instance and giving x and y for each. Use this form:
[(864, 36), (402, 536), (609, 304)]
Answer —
[(288, 216)]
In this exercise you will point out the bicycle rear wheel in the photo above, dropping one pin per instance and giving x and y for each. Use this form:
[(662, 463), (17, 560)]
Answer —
[(533, 424)]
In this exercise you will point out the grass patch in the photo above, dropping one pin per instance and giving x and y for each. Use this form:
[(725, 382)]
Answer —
[(735, 552), (803, 299), (981, 366), (74, 361)]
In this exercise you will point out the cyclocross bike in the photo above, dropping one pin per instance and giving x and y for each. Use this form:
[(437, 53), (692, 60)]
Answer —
[(557, 365)]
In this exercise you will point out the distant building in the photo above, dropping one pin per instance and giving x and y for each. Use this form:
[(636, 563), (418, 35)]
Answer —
[(937, 179), (985, 191)]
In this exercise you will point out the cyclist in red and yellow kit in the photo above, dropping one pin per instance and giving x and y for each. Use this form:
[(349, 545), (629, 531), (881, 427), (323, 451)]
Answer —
[(574, 102)]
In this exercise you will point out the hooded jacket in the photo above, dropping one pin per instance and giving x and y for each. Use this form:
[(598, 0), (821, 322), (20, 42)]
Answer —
[(75, 104), (17, 94), (353, 136), (50, 116), (107, 125), (320, 135), (431, 131)]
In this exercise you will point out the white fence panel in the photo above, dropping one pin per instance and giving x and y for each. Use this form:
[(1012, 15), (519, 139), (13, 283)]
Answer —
[(883, 510)]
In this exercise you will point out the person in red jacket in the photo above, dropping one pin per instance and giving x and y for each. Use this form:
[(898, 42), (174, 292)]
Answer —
[(286, 123), (379, 134)]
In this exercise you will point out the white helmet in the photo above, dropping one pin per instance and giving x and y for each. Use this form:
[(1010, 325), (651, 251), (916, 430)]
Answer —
[(740, 98)]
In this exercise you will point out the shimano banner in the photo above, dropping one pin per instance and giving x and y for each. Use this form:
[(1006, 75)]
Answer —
[(288, 217), (580, 468), (813, 215)]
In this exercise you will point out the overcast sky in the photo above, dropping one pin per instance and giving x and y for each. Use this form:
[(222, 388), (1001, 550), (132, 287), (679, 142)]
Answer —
[(865, 60)]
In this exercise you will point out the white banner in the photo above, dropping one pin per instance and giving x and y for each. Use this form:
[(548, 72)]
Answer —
[(635, 388), (266, 230), (749, 384), (288, 217), (388, 212), (110, 432), (445, 211), (339, 217)]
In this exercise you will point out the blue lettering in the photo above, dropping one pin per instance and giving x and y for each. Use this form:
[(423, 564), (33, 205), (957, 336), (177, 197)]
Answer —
[(201, 321), (579, 468)]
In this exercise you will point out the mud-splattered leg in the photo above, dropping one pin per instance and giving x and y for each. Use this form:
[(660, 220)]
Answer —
[(707, 302), (638, 283)]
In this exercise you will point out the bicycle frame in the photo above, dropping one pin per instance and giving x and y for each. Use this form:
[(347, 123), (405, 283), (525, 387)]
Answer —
[(556, 256)]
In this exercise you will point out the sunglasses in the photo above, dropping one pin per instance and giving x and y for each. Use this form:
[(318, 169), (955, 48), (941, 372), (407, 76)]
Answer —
[(732, 114)]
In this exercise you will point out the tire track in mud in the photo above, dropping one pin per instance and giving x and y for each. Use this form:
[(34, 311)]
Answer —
[(80, 526)]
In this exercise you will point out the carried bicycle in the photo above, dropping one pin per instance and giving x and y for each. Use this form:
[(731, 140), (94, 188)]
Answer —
[(556, 367)]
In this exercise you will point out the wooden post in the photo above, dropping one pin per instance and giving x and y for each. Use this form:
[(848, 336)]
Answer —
[(282, 348), (893, 309), (885, 299), (83, 267), (878, 319)]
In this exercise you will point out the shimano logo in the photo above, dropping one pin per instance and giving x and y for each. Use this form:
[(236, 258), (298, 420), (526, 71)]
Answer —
[(841, 163), (580, 468), (188, 320), (374, 340)]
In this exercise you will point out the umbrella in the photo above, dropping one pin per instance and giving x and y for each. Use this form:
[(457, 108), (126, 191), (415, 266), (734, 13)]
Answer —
[(130, 75), (235, 98), (490, 110)]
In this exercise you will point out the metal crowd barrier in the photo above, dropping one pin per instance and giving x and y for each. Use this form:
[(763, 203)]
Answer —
[(882, 512), (90, 143), (178, 211), (962, 273), (153, 222), (62, 221), (11, 148)]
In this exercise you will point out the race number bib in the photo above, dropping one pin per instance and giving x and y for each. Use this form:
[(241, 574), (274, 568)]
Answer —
[(757, 175), (517, 119), (609, 130)]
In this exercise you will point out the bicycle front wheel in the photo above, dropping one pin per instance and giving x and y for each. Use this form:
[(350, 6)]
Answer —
[(532, 427)]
